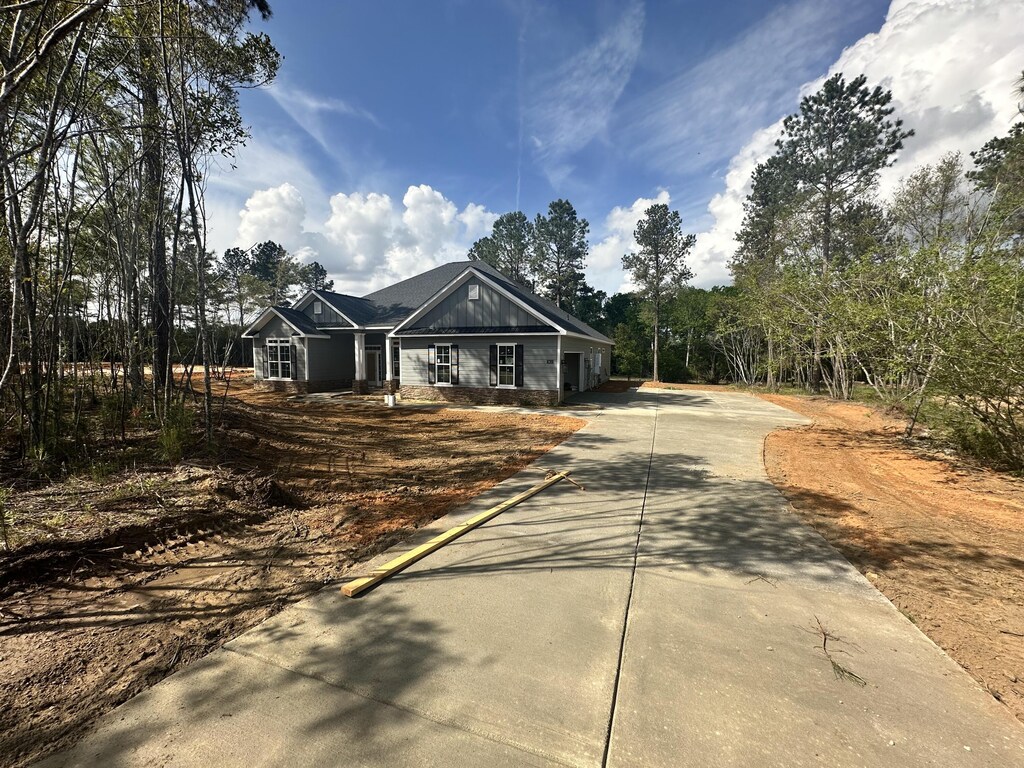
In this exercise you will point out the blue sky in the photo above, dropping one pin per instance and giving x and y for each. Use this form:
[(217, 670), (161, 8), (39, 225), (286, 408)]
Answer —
[(397, 131)]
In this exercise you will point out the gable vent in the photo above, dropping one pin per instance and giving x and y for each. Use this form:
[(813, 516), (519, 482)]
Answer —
[(474, 292)]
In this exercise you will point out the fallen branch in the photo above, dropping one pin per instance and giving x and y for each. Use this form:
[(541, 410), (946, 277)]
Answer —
[(841, 672)]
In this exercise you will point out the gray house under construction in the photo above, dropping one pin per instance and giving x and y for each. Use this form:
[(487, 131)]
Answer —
[(460, 332)]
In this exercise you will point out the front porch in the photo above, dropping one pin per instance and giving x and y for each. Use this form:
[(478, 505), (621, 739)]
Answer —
[(335, 360)]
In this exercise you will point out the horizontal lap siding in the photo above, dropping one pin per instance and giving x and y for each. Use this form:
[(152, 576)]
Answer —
[(474, 360)]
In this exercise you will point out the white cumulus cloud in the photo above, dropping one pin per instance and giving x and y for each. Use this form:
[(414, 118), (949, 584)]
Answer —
[(951, 65), (366, 241), (605, 262)]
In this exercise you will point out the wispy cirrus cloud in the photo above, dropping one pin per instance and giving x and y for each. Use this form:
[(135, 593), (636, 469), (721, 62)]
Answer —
[(314, 113), (567, 107), (702, 115), (951, 67)]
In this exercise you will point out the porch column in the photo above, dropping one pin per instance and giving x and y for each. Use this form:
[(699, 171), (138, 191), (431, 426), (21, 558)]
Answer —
[(389, 374), (359, 385)]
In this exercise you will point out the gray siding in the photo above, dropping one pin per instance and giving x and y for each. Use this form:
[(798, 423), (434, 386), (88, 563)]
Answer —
[(590, 349), (328, 317), (332, 359), (335, 358), (491, 310), (474, 359), (276, 328)]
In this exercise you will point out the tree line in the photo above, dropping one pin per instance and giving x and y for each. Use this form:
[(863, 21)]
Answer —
[(548, 255), (916, 296), (113, 115)]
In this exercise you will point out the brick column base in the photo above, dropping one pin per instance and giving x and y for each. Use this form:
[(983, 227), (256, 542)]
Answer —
[(360, 387), (391, 387)]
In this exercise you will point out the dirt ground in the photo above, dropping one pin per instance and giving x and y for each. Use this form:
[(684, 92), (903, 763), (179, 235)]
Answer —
[(119, 581), (670, 385), (943, 540)]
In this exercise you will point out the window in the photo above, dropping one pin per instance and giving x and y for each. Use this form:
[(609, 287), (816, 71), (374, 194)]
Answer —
[(318, 307), (506, 365), (396, 361), (279, 359), (444, 363), (474, 292)]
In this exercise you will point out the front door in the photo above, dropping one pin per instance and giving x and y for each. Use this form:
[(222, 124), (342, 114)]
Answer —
[(373, 367)]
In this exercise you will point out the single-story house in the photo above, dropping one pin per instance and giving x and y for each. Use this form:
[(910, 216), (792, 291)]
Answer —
[(461, 332)]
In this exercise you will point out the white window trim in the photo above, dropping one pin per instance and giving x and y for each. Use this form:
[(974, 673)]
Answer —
[(437, 366), (513, 367), (318, 307), (474, 291), (278, 344)]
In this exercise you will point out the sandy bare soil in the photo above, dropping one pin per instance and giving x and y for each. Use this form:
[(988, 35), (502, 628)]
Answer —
[(119, 581), (942, 539), (670, 385)]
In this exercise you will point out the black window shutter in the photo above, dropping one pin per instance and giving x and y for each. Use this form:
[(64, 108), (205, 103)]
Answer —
[(266, 361), (431, 364), (519, 365), (291, 359), (494, 365), (455, 363)]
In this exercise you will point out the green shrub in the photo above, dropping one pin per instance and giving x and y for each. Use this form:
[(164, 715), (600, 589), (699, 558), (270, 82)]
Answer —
[(176, 433)]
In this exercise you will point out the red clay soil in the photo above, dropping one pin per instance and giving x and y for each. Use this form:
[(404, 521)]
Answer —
[(944, 541), (115, 583)]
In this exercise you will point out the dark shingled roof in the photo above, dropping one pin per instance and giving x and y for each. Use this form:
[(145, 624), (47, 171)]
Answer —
[(543, 307), (398, 301), (493, 330), (359, 311), (298, 320)]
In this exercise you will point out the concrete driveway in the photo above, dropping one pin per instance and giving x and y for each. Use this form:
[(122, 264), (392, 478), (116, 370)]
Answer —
[(673, 614)]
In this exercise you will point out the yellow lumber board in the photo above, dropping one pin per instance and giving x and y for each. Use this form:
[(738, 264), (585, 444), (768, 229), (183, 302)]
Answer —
[(353, 588)]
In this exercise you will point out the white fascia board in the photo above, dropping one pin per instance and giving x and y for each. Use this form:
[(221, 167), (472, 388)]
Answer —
[(454, 335), (518, 302), (301, 303), (262, 320), (453, 284), (259, 322), (591, 339), (432, 301), (344, 317)]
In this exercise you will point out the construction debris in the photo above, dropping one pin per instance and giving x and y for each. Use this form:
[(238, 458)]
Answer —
[(355, 587)]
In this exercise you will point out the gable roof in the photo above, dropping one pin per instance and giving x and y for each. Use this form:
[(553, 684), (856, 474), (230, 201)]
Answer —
[(542, 306), (300, 322), (399, 301), (391, 306), (358, 310), (396, 302)]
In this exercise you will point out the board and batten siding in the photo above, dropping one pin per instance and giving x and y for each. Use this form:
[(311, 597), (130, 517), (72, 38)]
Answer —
[(327, 316), (491, 310), (540, 364), (276, 328)]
